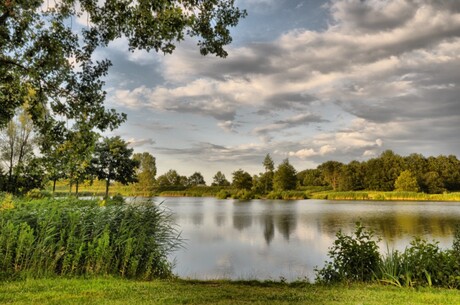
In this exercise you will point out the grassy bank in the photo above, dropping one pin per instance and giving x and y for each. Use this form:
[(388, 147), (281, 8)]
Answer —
[(384, 196), (117, 291)]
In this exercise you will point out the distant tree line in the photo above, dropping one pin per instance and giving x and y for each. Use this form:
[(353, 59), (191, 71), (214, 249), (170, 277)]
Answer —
[(81, 155), (388, 172)]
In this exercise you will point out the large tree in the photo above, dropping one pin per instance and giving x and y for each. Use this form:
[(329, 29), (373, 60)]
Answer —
[(44, 51), (16, 148), (331, 172), (220, 180), (146, 172), (196, 179), (112, 161), (242, 180), (285, 177), (406, 182), (267, 178)]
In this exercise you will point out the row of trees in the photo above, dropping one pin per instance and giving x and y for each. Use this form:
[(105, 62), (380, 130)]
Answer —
[(81, 158), (77, 160), (283, 178), (388, 172)]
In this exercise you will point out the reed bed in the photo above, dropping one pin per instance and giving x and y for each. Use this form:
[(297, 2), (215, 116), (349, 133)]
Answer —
[(383, 196), (70, 237)]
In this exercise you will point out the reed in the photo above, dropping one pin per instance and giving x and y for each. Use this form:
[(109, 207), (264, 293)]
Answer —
[(385, 196), (72, 238)]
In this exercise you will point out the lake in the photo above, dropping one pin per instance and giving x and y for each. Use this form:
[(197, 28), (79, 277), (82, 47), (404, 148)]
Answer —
[(276, 239)]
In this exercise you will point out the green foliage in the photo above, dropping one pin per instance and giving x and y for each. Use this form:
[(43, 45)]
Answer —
[(7, 202), (72, 238), (285, 177), (220, 180), (331, 172), (353, 258), (38, 194), (356, 258), (406, 182), (171, 179), (196, 179), (146, 173), (40, 47), (243, 195), (242, 180), (112, 162), (287, 195), (223, 194)]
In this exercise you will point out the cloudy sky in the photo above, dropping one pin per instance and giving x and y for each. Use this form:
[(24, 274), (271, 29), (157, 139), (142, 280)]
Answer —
[(305, 79)]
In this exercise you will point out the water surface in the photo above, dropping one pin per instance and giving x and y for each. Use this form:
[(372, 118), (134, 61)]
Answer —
[(274, 239)]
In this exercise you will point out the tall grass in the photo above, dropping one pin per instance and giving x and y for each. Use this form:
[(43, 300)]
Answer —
[(70, 237), (382, 196)]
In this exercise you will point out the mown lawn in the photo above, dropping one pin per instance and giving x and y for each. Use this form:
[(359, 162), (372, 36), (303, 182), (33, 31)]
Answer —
[(117, 291)]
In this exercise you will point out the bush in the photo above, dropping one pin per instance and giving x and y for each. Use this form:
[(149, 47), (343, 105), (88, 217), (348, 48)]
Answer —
[(243, 195), (354, 258), (223, 194), (7, 202), (73, 238)]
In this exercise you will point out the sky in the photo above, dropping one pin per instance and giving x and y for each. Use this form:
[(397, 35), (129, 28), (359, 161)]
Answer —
[(307, 80)]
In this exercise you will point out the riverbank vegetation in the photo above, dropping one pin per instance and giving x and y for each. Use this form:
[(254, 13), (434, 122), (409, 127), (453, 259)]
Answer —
[(357, 258), (70, 237), (68, 250)]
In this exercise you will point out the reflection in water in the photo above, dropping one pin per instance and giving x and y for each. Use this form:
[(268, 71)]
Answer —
[(286, 224), (269, 228), (269, 239), (242, 215)]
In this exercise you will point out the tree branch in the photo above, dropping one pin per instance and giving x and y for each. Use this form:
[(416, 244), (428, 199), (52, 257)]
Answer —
[(9, 61)]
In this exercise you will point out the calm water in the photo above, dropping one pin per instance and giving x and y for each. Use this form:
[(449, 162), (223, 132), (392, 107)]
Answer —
[(271, 239)]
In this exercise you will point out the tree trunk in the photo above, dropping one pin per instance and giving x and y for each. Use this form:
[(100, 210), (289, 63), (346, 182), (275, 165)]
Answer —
[(54, 185), (76, 189)]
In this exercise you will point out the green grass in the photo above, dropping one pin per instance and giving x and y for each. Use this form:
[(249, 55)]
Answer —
[(118, 291)]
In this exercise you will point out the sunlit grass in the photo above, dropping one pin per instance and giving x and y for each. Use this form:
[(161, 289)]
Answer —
[(395, 196), (117, 291)]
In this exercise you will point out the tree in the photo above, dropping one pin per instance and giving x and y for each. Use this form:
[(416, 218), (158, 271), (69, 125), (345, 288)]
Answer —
[(432, 183), (16, 147), (406, 182), (220, 180), (352, 177), (269, 165), (310, 177), (242, 180), (285, 177), (196, 179), (267, 178), (170, 178), (331, 172), (112, 162), (146, 172), (40, 49)]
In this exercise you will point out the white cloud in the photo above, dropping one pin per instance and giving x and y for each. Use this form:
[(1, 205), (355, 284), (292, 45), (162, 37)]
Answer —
[(390, 66)]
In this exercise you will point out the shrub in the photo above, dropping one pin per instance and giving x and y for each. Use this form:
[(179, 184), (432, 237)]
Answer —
[(354, 258), (38, 194), (243, 195), (116, 200), (223, 194), (7, 202)]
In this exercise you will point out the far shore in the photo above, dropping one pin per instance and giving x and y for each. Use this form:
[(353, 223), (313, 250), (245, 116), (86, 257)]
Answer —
[(288, 195)]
